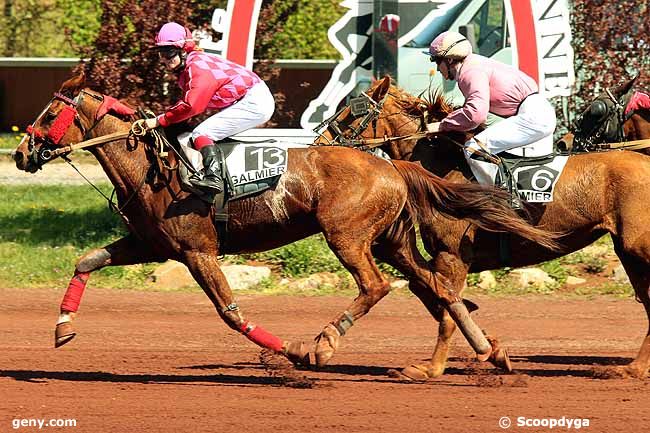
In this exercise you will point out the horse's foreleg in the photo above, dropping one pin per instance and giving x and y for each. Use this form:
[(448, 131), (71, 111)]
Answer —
[(207, 273), (125, 251), (635, 261)]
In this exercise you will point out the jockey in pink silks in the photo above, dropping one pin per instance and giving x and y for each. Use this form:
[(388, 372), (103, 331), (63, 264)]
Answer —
[(242, 100), (490, 86)]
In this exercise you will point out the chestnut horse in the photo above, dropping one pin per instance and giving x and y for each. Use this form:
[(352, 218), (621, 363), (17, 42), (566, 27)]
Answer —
[(358, 201), (597, 193), (616, 115)]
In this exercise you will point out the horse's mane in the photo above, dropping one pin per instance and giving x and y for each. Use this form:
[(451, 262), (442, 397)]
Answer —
[(434, 106)]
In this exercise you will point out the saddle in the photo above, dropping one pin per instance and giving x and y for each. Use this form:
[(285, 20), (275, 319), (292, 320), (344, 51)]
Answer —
[(247, 167), (238, 167), (528, 178)]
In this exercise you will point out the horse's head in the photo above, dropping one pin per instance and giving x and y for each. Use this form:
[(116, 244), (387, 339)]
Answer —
[(354, 120), (69, 117), (602, 121), (384, 111)]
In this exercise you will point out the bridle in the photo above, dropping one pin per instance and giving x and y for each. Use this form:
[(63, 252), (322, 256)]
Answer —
[(369, 110), (362, 105), (68, 116), (608, 125)]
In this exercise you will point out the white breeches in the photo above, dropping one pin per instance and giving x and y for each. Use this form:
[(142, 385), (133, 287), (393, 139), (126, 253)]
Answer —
[(255, 108), (533, 126)]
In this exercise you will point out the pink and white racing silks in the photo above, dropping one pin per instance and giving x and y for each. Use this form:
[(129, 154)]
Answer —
[(488, 86), (208, 83)]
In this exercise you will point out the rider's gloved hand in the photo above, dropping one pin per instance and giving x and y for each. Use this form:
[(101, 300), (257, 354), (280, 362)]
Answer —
[(141, 126), (151, 123), (433, 128)]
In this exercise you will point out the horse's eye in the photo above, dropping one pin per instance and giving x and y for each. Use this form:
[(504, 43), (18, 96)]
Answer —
[(50, 115)]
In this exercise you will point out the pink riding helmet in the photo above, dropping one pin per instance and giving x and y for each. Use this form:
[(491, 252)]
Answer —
[(174, 34)]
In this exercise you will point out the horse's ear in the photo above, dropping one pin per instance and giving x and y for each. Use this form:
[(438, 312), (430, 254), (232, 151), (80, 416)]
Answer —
[(622, 89), (74, 84), (381, 89)]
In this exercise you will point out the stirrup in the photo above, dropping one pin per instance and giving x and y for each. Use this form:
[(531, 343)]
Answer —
[(212, 184), (515, 201)]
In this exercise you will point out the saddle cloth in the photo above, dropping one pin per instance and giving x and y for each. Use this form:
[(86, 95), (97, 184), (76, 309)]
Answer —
[(532, 170), (250, 166)]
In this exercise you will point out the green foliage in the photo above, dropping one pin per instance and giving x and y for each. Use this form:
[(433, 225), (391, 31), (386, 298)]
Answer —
[(302, 258), (10, 140), (616, 289), (555, 270), (81, 21), (594, 265), (304, 35), (33, 28)]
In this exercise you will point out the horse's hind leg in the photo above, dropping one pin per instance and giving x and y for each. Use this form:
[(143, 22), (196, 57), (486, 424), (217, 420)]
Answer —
[(400, 251), (638, 270), (357, 259), (125, 251), (205, 269)]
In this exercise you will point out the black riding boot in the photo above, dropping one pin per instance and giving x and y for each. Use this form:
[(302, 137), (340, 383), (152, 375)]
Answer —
[(211, 181)]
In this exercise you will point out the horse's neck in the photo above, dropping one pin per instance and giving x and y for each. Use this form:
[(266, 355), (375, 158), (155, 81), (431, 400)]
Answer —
[(441, 159), (125, 164)]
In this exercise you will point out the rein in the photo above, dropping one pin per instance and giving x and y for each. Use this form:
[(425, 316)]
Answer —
[(365, 106), (47, 154), (60, 125), (625, 145), (371, 115)]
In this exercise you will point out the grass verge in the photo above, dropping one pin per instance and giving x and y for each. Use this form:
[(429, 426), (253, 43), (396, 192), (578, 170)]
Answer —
[(45, 229)]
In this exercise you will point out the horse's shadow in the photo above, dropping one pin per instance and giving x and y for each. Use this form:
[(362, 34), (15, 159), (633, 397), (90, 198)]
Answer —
[(573, 360), (37, 376), (355, 372)]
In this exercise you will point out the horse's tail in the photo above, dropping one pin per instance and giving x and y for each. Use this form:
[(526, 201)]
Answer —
[(487, 207)]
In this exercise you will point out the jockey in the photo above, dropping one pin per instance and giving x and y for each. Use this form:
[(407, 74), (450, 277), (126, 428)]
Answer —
[(490, 86), (242, 100)]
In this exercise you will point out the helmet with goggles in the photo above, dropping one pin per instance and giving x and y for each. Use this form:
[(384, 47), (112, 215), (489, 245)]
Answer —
[(449, 45), (174, 36)]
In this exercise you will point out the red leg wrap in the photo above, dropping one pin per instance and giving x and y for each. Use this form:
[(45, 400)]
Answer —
[(261, 337), (76, 288)]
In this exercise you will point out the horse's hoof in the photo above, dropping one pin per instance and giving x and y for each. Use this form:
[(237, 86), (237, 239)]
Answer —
[(499, 358), (297, 353), (326, 344), (63, 334), (412, 373)]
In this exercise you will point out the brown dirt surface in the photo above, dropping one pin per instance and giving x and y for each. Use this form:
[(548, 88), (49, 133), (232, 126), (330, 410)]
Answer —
[(164, 362)]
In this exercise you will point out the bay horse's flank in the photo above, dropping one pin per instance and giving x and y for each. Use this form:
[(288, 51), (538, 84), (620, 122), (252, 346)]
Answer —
[(356, 200), (597, 193)]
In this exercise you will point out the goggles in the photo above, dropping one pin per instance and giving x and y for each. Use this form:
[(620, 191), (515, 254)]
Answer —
[(168, 52)]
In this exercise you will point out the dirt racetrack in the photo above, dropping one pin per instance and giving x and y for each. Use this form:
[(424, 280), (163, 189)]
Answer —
[(164, 362)]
